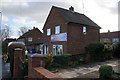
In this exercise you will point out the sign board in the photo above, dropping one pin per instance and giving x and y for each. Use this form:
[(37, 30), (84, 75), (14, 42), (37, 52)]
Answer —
[(59, 37)]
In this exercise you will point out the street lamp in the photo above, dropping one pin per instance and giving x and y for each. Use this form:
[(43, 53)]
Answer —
[(0, 25)]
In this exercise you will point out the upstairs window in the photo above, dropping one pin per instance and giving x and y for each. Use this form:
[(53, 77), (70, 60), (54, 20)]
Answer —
[(115, 39), (84, 30), (48, 32), (30, 39), (57, 29)]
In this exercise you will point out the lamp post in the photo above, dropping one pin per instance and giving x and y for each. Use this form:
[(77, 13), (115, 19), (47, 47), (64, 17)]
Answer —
[(0, 23), (0, 47)]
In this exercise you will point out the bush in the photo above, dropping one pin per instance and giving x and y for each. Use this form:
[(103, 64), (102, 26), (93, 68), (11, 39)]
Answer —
[(108, 50), (61, 60), (117, 50), (48, 60), (95, 50), (106, 71)]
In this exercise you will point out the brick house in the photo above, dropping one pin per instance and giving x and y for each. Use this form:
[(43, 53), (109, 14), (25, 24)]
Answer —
[(30, 37), (110, 36), (68, 32)]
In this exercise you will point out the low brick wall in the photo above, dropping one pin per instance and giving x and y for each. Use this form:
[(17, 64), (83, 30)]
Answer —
[(36, 70), (42, 73)]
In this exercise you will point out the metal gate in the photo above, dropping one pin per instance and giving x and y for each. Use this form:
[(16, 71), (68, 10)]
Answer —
[(20, 68)]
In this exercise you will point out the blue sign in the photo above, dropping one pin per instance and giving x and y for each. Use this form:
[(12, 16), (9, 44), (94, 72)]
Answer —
[(59, 37)]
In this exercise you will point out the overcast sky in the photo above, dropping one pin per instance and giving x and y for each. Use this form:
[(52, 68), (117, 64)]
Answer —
[(20, 13)]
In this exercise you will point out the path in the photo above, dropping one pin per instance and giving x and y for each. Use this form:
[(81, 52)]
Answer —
[(5, 70), (87, 70)]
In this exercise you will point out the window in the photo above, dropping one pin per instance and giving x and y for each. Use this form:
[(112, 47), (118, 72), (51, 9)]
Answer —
[(106, 40), (48, 32), (115, 39), (30, 39), (41, 49), (57, 29), (84, 30), (45, 49), (57, 49)]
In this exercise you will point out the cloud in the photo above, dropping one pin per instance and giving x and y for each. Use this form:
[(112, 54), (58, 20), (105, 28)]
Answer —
[(35, 13), (111, 5), (4, 18)]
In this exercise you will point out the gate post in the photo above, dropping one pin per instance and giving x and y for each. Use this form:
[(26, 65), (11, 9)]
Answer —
[(35, 60), (17, 52)]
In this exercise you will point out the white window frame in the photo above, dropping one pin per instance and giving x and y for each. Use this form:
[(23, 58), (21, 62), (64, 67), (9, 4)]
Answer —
[(45, 50), (48, 32), (84, 30), (54, 47), (30, 39), (57, 29)]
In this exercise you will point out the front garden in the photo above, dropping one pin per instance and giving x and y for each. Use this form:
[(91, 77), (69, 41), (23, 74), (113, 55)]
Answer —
[(98, 52)]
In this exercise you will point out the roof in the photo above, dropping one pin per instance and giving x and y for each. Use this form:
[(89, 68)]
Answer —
[(77, 18), (114, 34), (27, 33), (10, 39)]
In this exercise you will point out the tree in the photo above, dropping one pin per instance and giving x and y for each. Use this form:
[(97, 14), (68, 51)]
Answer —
[(22, 30), (5, 32)]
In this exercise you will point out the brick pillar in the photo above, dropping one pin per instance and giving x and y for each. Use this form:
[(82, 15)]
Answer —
[(17, 52), (35, 60)]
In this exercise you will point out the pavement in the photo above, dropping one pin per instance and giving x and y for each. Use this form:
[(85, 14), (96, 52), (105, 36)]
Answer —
[(6, 70), (87, 71)]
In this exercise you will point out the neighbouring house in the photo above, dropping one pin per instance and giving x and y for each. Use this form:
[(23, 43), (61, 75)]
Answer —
[(110, 36), (38, 45), (30, 37), (68, 32)]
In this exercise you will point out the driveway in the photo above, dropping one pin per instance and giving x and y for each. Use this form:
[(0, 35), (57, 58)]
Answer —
[(87, 71)]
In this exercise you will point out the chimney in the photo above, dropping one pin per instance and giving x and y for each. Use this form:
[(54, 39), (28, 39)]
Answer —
[(71, 8)]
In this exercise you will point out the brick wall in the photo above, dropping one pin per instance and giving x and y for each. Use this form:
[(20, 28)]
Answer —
[(36, 68), (35, 34), (54, 19), (77, 40)]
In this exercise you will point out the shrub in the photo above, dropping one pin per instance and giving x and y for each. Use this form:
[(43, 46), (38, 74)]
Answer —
[(48, 60), (108, 50), (61, 60), (105, 71), (95, 50), (117, 50)]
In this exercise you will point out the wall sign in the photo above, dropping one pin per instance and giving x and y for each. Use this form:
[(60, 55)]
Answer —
[(59, 37)]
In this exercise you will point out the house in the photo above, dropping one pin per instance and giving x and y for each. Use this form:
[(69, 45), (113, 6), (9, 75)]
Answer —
[(68, 32), (30, 37), (38, 45), (110, 36)]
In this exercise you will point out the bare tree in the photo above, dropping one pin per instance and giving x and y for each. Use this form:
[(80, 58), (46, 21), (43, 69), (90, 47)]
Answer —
[(22, 30), (5, 32)]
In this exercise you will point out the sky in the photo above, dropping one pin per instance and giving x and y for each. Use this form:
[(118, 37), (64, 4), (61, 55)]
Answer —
[(29, 13)]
